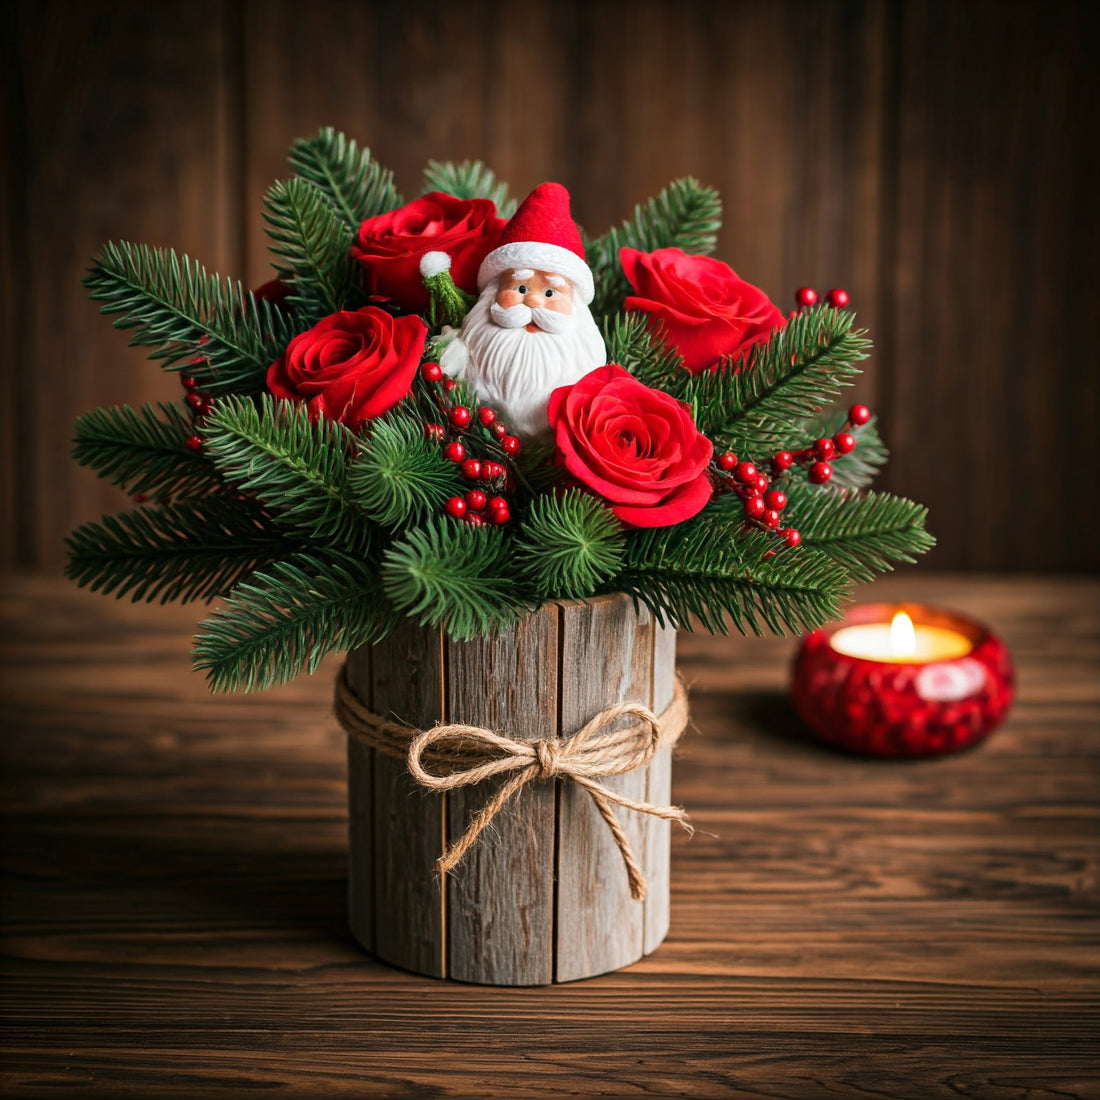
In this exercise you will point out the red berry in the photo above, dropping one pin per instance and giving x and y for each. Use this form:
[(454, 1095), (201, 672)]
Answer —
[(499, 510), (790, 536), (454, 451), (784, 460), (824, 449), (431, 372), (435, 431), (805, 296), (490, 471), (770, 518), (837, 298), (754, 507), (471, 469), (776, 499), (727, 461), (448, 384), (760, 482), (459, 416), (194, 442), (195, 399), (820, 472), (859, 414), (139, 498), (745, 472), (486, 416), (188, 382), (510, 445), (456, 507), (473, 519), (844, 442), (475, 499), (499, 430)]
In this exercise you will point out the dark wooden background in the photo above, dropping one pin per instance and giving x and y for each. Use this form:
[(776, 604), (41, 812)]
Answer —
[(939, 160)]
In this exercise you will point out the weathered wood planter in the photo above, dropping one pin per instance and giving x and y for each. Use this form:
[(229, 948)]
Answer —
[(542, 896)]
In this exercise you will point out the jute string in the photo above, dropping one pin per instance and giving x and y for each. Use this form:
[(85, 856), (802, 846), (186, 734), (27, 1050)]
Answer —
[(448, 757)]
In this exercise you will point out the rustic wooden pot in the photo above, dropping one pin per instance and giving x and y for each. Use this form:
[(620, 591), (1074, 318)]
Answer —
[(542, 896)]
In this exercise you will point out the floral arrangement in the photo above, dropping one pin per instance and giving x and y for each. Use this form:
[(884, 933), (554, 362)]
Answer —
[(348, 454)]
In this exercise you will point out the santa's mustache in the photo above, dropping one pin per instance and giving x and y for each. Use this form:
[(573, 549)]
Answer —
[(521, 314)]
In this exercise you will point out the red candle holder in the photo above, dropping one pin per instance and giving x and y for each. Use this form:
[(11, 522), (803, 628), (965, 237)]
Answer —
[(903, 707)]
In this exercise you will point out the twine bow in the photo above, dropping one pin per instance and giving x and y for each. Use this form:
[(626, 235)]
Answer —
[(448, 757)]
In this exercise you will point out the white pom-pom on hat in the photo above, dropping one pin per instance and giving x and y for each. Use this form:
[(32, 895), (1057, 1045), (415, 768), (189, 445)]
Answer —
[(434, 263)]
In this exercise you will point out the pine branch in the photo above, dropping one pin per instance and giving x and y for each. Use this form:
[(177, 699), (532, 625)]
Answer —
[(711, 569), (863, 532), (455, 576), (401, 477), (144, 451), (313, 246), (181, 312), (632, 345), (357, 186), (756, 406), (296, 467), (569, 545), (469, 179), (189, 550), (287, 618), (685, 215)]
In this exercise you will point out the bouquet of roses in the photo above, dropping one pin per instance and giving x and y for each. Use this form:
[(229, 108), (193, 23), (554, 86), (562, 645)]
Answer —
[(452, 410)]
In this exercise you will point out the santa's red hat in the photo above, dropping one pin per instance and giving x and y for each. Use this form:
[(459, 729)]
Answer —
[(542, 235)]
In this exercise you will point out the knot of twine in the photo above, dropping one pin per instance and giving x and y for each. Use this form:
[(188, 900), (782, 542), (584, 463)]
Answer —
[(448, 757)]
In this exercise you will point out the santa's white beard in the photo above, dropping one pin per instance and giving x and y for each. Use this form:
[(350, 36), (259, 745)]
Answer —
[(515, 371)]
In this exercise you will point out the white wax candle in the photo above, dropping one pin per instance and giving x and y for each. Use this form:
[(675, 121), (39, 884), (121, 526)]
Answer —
[(901, 642)]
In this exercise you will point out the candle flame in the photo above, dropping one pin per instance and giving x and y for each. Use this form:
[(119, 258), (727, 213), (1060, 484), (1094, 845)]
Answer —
[(903, 638)]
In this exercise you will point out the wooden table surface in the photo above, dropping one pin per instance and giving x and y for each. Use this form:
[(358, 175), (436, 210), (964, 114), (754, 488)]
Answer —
[(173, 905)]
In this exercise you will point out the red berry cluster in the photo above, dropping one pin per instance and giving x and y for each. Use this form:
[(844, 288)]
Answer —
[(806, 296), (762, 504), (200, 403), (477, 506)]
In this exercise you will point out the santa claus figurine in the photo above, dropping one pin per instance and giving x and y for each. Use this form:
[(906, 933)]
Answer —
[(531, 330)]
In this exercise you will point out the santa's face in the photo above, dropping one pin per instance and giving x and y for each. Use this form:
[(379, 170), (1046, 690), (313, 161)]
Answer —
[(535, 290), (527, 335)]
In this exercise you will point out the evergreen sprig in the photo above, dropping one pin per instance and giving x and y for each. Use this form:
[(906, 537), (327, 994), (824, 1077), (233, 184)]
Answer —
[(189, 550), (144, 451), (296, 466), (455, 576), (568, 545), (685, 215), (864, 532), (755, 406), (632, 344), (357, 186), (226, 335), (284, 620), (712, 570), (312, 245), (401, 477), (469, 179)]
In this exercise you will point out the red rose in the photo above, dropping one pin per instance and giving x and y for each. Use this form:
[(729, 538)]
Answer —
[(351, 366), (637, 448), (390, 245), (706, 311)]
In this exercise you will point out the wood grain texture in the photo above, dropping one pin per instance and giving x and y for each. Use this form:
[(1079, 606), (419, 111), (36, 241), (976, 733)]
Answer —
[(172, 911), (408, 683), (500, 901), (606, 658)]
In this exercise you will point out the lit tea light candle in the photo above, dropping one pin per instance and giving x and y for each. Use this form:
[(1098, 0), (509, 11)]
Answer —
[(900, 641), (903, 681)]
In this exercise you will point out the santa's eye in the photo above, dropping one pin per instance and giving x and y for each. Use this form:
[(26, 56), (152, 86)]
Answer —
[(521, 289), (549, 293)]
